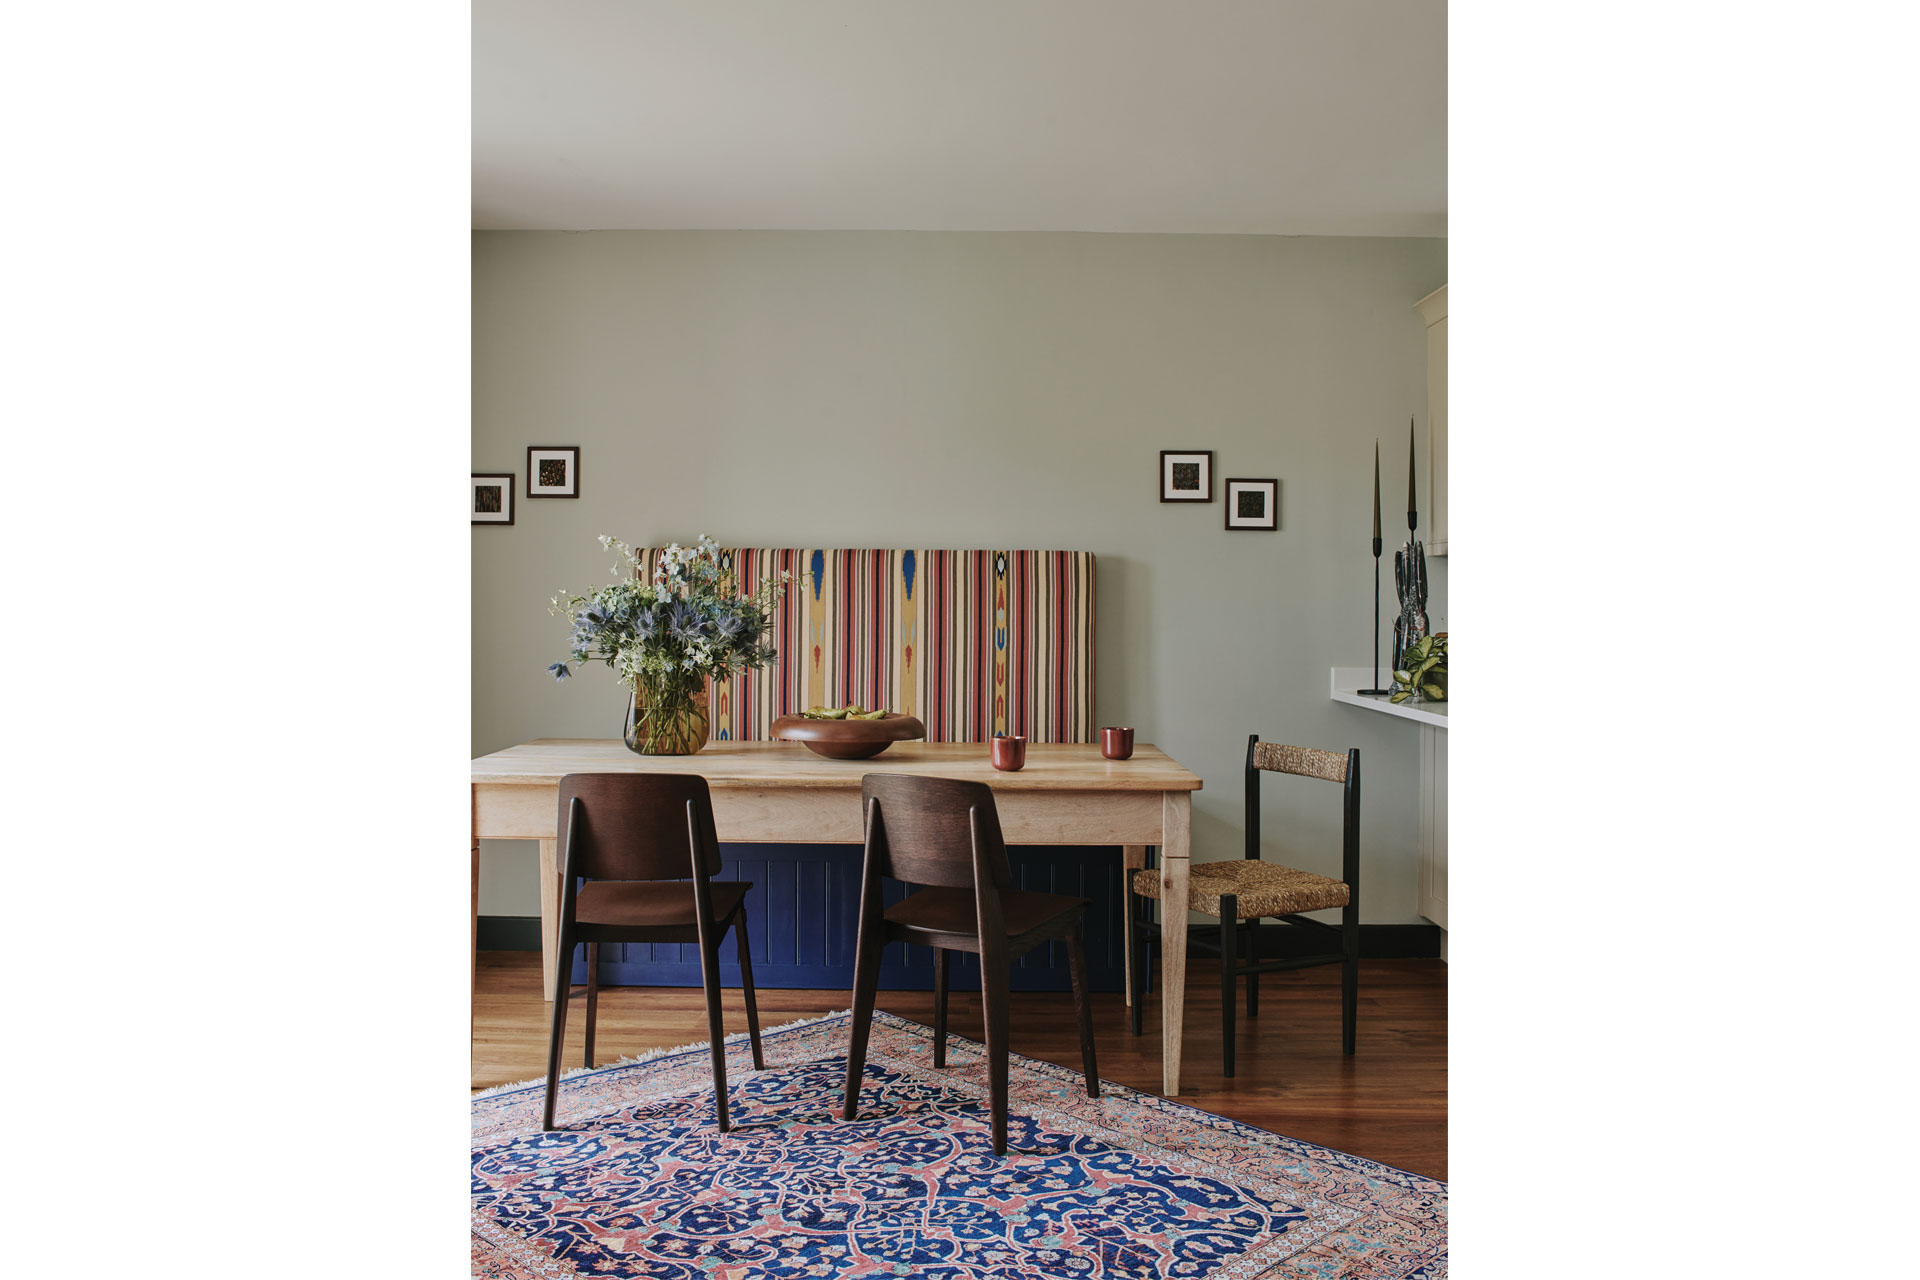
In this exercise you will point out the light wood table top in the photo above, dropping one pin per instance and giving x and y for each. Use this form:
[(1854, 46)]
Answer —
[(1051, 766), (1068, 793)]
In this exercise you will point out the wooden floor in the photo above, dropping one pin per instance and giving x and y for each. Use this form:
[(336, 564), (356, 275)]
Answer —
[(1387, 1102)]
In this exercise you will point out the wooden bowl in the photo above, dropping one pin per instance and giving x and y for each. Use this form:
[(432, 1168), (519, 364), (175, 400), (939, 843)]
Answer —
[(849, 739)]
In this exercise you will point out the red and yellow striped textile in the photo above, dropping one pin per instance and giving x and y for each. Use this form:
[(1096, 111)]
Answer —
[(973, 642)]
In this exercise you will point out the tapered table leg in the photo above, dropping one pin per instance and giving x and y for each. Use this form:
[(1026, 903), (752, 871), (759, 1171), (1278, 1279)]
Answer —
[(549, 914), (1132, 858), (1176, 822)]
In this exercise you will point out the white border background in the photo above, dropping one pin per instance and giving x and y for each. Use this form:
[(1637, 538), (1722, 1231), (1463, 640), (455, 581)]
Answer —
[(1684, 452), (264, 717)]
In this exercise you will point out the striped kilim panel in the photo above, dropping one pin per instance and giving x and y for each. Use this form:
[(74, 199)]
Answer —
[(973, 642)]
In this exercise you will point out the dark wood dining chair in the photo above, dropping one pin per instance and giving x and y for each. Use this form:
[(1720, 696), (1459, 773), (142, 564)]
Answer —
[(944, 834), (1243, 892), (645, 844)]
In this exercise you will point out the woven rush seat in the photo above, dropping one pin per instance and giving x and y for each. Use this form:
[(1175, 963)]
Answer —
[(1262, 888)]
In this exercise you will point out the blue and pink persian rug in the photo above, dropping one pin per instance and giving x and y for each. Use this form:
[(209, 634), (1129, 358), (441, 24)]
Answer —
[(640, 1183)]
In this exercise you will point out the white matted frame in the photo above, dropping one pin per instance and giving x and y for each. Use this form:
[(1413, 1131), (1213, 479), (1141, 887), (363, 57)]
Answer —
[(553, 471), (1252, 505), (491, 499), (1186, 475)]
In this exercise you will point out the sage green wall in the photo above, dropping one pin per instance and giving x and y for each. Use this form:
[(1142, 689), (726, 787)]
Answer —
[(910, 389)]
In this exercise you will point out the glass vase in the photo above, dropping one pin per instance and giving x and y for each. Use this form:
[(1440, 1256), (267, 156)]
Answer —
[(666, 720)]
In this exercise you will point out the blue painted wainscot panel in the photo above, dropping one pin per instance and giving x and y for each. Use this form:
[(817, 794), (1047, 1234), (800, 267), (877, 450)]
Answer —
[(801, 925)]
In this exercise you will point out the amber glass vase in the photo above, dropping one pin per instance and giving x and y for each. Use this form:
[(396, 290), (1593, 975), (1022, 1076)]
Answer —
[(666, 720)]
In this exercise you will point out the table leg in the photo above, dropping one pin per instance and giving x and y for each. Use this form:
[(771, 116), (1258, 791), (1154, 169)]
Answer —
[(1132, 858), (549, 915), (1176, 823)]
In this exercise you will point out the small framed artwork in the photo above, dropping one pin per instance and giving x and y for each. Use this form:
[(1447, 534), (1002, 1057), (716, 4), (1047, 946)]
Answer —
[(493, 499), (553, 471), (1186, 476), (1253, 504)]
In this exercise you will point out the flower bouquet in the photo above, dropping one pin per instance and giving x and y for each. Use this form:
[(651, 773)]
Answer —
[(667, 638)]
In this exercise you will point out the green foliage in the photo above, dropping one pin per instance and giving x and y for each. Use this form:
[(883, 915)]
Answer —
[(1424, 667)]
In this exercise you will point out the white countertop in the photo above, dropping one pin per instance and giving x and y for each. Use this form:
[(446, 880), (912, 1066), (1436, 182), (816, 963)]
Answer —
[(1348, 681)]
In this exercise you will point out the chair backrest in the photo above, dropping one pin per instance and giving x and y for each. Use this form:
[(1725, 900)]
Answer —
[(633, 826), (1308, 762), (924, 830)]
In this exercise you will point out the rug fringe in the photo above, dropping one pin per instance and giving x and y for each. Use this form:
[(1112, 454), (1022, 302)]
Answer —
[(739, 1037)]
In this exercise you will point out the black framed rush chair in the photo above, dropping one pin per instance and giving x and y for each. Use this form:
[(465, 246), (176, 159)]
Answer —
[(645, 843), (944, 834), (1245, 891)]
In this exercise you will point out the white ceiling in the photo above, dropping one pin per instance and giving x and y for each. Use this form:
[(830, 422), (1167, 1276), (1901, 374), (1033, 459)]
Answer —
[(1291, 117)]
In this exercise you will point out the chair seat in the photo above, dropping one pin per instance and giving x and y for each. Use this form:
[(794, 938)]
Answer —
[(953, 911), (653, 904), (1262, 888)]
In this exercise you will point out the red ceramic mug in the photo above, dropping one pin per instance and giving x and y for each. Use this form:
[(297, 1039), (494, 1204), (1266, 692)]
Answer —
[(1009, 752), (1116, 743)]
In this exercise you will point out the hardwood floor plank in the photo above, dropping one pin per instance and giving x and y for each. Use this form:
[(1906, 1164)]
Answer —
[(1388, 1102)]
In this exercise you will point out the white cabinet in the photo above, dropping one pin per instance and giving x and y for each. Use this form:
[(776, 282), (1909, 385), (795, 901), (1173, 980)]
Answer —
[(1433, 824), (1433, 310), (1430, 722)]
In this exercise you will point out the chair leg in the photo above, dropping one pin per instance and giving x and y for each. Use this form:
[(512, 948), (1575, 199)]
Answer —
[(1229, 958), (866, 981), (593, 994), (559, 1035), (994, 970), (940, 955), (1083, 1006), (1137, 946), (716, 1033), (746, 987), (1349, 973), (1253, 957)]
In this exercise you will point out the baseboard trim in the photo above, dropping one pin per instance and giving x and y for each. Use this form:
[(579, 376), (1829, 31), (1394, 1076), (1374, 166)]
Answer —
[(509, 933), (1377, 941)]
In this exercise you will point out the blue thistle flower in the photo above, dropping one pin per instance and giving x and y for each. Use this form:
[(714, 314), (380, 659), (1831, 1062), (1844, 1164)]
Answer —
[(591, 623), (683, 622), (559, 670)]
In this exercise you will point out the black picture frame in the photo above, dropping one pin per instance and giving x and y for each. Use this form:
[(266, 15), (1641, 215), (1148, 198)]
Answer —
[(1269, 491), (503, 493), (1172, 458), (538, 454)]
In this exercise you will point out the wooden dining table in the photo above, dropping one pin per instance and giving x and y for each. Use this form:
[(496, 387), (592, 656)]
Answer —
[(781, 792)]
